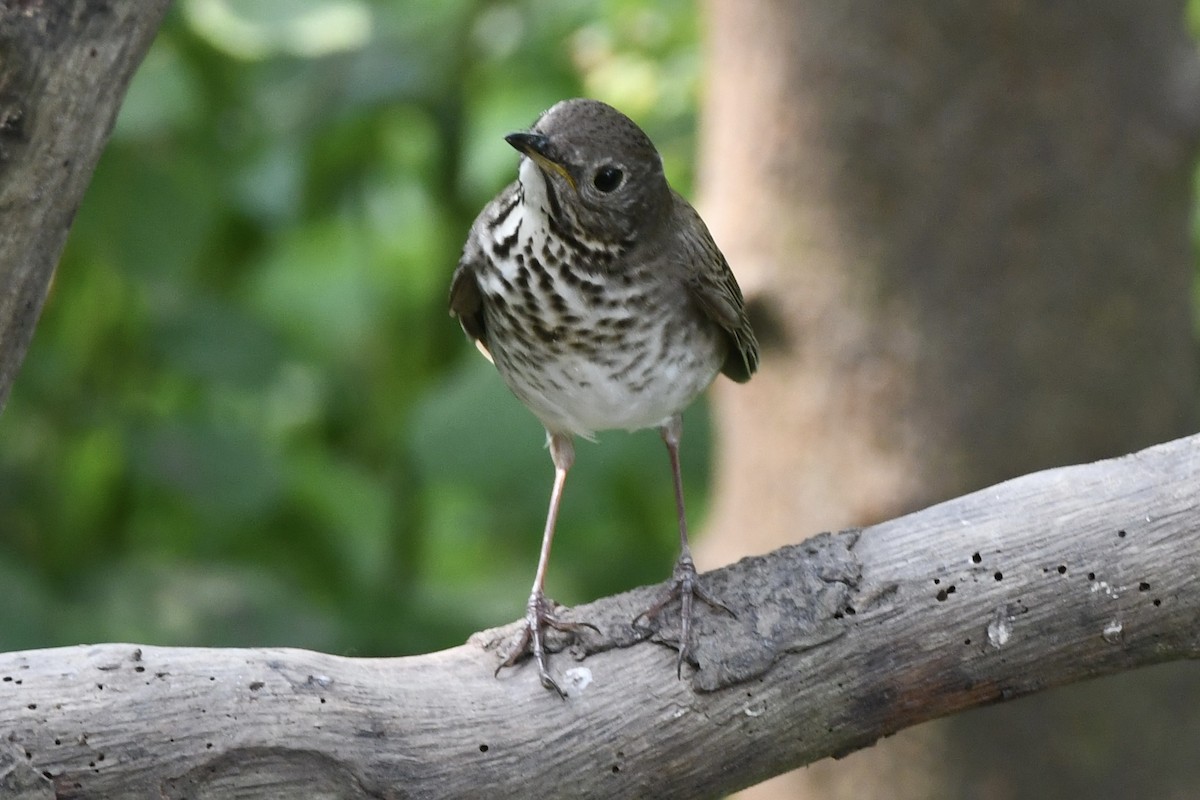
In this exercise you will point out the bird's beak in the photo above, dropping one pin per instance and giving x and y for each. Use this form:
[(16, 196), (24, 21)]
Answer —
[(537, 147)]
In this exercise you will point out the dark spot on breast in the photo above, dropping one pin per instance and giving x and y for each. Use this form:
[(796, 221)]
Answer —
[(545, 282), (507, 209), (638, 302), (586, 347), (593, 291), (567, 274), (501, 248)]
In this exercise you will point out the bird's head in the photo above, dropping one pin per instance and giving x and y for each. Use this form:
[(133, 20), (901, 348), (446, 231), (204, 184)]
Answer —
[(599, 171)]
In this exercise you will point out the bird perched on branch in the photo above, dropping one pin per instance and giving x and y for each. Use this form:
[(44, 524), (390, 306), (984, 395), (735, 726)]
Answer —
[(600, 296)]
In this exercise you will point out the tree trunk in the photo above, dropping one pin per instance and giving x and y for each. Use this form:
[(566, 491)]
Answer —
[(64, 68), (964, 232)]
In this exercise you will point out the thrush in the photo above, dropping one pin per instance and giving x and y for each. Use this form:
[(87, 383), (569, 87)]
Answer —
[(601, 298)]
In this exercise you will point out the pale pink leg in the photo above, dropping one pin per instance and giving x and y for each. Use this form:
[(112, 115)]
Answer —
[(539, 613), (685, 583)]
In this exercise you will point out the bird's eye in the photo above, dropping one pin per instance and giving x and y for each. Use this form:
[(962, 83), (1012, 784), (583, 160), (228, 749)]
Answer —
[(607, 179)]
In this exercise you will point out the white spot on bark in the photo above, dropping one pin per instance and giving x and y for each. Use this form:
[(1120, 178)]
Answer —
[(575, 680), (999, 630)]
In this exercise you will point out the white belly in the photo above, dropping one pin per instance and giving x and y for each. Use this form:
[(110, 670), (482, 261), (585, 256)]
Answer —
[(580, 396)]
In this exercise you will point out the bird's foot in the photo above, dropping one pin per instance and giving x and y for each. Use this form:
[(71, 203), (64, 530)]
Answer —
[(539, 615), (684, 586)]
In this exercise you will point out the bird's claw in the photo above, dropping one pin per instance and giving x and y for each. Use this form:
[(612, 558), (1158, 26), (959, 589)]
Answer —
[(684, 586), (531, 640)]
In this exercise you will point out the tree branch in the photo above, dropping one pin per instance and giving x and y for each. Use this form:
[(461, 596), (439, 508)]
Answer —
[(64, 68), (1051, 578)]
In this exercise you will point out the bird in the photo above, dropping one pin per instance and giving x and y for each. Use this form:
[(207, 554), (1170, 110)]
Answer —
[(601, 298)]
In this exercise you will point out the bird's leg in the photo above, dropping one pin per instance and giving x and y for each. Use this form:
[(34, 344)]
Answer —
[(539, 613), (685, 583)]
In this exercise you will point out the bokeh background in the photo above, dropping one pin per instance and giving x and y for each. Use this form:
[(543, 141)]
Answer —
[(246, 417)]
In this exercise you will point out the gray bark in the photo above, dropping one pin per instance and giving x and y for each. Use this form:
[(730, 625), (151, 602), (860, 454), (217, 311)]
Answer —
[(1047, 579), (64, 69)]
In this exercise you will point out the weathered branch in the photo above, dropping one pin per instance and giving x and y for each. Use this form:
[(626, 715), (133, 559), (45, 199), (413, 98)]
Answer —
[(1044, 580), (64, 68)]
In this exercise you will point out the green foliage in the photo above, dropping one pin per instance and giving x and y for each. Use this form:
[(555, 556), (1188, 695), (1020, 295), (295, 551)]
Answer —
[(246, 418)]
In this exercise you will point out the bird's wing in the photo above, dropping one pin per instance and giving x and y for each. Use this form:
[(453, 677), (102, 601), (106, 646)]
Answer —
[(711, 284), (466, 299), (466, 303)]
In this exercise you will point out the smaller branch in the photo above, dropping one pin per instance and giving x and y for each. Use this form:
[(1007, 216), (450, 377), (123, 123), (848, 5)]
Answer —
[(1051, 578), (64, 69)]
